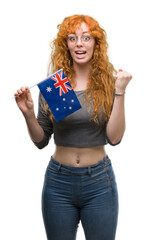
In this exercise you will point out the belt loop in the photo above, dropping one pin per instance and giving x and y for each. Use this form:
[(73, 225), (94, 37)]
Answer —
[(59, 167), (89, 170)]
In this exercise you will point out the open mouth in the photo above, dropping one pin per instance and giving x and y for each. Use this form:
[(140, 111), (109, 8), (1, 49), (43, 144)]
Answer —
[(80, 52)]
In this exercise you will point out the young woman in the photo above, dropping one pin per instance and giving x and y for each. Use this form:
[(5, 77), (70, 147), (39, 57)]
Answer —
[(79, 181)]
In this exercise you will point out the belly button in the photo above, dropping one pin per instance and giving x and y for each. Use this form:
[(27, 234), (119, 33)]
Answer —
[(78, 161)]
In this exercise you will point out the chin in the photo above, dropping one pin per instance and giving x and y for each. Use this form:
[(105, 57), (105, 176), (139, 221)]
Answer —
[(81, 61)]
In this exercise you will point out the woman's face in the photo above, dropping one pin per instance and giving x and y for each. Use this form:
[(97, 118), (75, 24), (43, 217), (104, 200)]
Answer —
[(81, 45)]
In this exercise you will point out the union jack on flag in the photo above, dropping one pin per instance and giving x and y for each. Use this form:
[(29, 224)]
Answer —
[(61, 82), (59, 95)]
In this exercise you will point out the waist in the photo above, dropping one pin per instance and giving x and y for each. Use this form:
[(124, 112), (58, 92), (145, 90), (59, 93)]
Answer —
[(104, 162), (79, 157)]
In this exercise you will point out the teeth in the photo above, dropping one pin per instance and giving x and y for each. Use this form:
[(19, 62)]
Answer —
[(80, 52)]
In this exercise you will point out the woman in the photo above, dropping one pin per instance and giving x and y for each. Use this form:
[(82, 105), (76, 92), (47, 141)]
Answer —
[(79, 181)]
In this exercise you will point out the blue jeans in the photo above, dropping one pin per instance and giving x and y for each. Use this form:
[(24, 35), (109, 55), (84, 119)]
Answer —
[(71, 194)]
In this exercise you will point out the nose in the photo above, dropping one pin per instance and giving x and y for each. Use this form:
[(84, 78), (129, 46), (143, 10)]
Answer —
[(79, 42)]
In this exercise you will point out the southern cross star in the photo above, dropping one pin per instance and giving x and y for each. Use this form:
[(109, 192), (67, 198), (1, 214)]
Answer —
[(49, 89)]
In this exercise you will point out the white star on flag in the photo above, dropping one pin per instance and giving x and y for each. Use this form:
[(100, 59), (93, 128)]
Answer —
[(49, 89)]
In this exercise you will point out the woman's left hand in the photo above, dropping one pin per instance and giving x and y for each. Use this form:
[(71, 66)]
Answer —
[(122, 80)]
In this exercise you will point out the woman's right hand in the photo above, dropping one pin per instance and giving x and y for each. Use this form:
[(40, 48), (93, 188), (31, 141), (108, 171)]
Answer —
[(24, 100)]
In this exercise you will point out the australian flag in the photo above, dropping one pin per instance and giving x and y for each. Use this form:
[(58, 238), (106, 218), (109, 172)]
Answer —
[(59, 95)]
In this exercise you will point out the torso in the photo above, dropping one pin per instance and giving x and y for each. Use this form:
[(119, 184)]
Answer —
[(79, 157)]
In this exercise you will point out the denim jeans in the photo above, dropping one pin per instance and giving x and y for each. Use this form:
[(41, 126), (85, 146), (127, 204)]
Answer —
[(87, 194)]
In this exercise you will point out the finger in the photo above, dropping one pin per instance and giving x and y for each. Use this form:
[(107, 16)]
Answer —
[(16, 94), (29, 96), (27, 89), (22, 89), (19, 91)]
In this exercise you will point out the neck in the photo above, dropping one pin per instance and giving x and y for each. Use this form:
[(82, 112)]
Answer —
[(82, 73)]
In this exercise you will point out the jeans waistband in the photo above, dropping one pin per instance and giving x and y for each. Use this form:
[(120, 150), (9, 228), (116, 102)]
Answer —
[(80, 170)]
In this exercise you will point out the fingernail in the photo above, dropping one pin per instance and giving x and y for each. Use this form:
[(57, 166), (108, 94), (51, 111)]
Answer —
[(120, 70)]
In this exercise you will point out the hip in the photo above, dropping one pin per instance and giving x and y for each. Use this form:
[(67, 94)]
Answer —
[(98, 178)]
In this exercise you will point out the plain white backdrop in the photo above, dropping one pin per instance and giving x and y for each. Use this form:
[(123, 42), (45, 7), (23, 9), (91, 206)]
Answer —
[(27, 27)]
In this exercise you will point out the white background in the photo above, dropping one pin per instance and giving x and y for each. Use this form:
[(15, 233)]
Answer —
[(27, 27)]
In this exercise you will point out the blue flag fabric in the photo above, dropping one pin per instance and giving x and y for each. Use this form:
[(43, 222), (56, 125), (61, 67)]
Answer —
[(59, 95)]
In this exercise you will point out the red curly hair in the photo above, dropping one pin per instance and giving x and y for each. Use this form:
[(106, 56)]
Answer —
[(101, 83)]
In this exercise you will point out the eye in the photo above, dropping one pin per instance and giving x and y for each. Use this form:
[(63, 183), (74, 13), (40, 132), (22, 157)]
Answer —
[(72, 39), (86, 38)]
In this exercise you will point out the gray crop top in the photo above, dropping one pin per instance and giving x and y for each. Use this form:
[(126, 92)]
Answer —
[(76, 130)]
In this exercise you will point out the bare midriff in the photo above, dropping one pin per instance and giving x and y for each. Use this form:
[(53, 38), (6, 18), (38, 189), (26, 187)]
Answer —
[(79, 157)]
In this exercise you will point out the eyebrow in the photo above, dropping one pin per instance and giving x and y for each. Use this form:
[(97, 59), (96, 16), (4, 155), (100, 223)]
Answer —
[(73, 34)]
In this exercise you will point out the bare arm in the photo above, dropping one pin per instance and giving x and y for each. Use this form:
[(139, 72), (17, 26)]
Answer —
[(116, 125), (35, 130)]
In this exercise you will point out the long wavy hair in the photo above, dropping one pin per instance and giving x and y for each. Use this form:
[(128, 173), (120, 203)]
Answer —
[(101, 85)]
